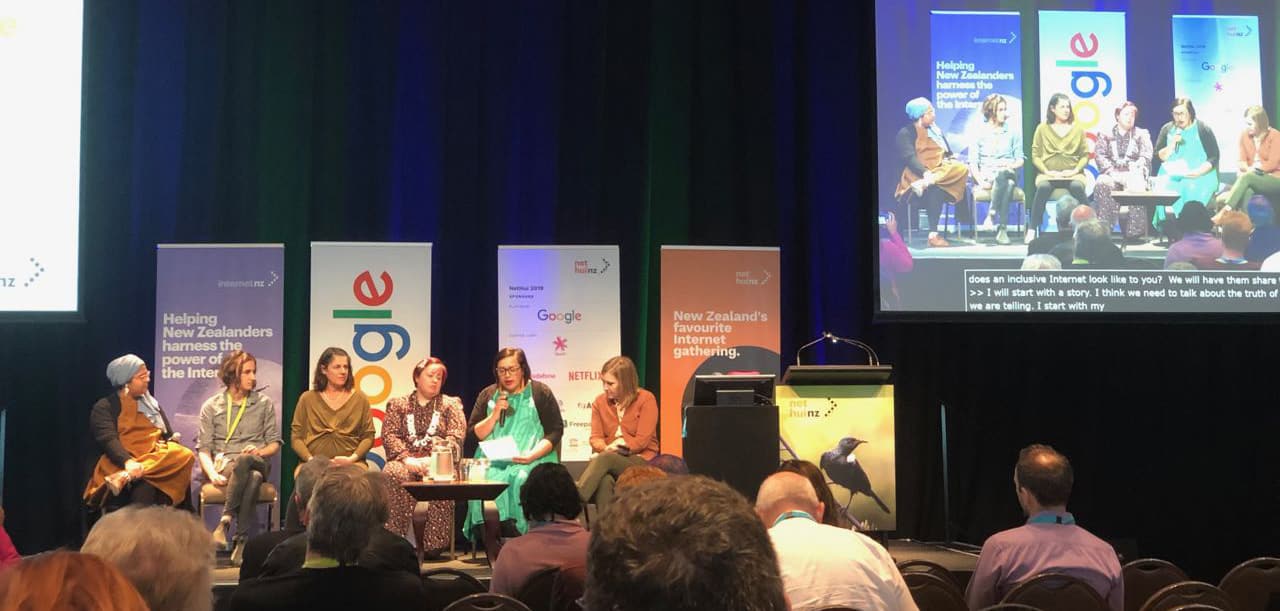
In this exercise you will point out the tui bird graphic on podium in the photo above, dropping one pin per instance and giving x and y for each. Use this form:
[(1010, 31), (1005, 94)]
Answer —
[(843, 468)]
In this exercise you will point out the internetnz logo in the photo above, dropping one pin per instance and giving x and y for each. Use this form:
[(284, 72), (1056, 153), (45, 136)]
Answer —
[(568, 317)]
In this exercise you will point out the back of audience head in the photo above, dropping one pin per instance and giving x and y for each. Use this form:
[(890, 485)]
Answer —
[(819, 482), (1092, 239), (549, 492), (787, 491), (165, 552), (672, 464), (1185, 266), (1080, 214), (634, 476), (1041, 261), (682, 543), (304, 483), (1194, 218), (1260, 211), (1236, 229), (59, 580), (347, 505), (1066, 204), (1045, 474)]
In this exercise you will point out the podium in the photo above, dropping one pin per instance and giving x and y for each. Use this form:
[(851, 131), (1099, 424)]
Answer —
[(736, 444), (841, 418)]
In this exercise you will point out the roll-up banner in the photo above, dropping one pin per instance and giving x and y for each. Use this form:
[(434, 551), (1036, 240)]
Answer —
[(1082, 54), (561, 305), (1217, 64), (719, 314), (212, 299), (374, 301), (974, 54)]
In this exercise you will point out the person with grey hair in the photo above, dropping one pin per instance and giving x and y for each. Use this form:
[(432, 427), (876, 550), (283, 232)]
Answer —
[(386, 550), (164, 552), (682, 544), (346, 507), (1065, 208), (1041, 261), (1093, 247), (825, 566), (258, 548)]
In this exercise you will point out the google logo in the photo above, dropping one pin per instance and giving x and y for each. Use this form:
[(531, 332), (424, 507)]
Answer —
[(568, 318), (1086, 84)]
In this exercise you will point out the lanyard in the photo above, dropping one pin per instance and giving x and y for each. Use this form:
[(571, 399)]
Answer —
[(320, 563), (1052, 518), (231, 426), (793, 514)]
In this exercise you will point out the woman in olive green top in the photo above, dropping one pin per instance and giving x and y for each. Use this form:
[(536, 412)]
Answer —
[(1059, 153), (333, 418)]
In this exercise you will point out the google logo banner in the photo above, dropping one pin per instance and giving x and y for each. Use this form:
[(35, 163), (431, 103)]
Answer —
[(374, 301), (1082, 54)]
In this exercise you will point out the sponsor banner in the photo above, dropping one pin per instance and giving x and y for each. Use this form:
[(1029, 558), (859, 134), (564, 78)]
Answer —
[(212, 299), (374, 301), (974, 54), (1217, 64), (1082, 54), (848, 432), (719, 314), (561, 305)]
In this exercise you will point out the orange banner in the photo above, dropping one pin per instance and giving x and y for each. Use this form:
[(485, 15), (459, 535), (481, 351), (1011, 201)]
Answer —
[(719, 315)]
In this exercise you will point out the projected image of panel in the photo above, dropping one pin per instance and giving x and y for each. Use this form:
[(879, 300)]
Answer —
[(40, 58), (1050, 157)]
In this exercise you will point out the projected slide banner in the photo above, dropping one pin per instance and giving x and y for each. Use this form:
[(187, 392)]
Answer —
[(212, 299), (719, 314), (843, 430), (40, 57), (1082, 54), (561, 305), (1217, 63), (374, 301), (974, 54)]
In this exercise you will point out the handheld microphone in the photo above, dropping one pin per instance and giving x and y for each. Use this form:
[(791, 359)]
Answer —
[(502, 418)]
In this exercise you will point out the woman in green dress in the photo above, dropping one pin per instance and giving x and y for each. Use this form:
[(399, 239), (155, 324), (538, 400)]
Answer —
[(526, 411), (1188, 152)]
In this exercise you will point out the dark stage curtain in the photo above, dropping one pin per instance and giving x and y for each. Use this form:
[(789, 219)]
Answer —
[(473, 124)]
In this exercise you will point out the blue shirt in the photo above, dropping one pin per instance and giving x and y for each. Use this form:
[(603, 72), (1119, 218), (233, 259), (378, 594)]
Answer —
[(995, 148)]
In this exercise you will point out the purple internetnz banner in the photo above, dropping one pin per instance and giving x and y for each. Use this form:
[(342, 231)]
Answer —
[(212, 299)]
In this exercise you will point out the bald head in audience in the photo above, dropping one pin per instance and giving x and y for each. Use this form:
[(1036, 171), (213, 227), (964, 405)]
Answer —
[(785, 491)]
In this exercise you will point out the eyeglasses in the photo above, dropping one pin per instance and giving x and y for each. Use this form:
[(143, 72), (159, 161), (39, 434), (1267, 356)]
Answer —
[(502, 371)]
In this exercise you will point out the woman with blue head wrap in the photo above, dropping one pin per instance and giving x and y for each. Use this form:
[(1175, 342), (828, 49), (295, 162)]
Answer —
[(929, 174), (140, 454)]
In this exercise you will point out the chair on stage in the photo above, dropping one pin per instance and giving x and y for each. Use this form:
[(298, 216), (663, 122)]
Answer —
[(267, 495), (1017, 201), (913, 206), (1144, 577), (447, 586), (1254, 584), (933, 592), (932, 568), (1189, 593), (1056, 592), (487, 601)]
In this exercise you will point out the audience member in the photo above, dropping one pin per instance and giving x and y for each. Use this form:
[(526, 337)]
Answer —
[(259, 548), (1198, 241), (61, 580), (1271, 264), (1050, 541), (1235, 228), (555, 539), (1093, 247), (386, 550), (1041, 261), (825, 566), (1069, 213), (637, 475), (672, 464), (8, 553), (166, 553), (348, 505), (895, 260), (682, 543), (1266, 234), (831, 515)]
